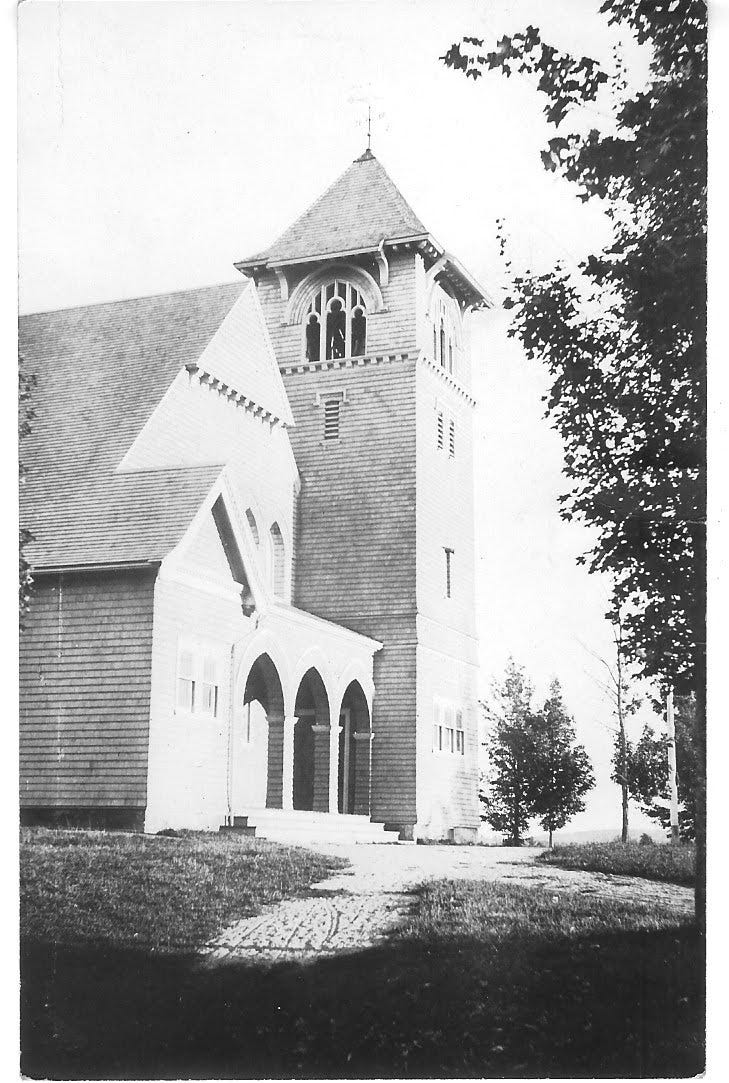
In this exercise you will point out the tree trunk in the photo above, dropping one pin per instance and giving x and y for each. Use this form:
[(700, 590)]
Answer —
[(550, 837), (624, 783)]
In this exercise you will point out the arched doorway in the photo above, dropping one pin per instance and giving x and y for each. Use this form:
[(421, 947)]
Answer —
[(311, 744), (257, 752), (354, 752)]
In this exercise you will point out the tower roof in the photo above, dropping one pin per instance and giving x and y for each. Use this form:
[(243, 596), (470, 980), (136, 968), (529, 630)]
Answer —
[(361, 212)]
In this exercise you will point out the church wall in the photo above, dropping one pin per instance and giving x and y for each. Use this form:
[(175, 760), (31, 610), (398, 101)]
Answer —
[(85, 691), (356, 534), (188, 752), (447, 647)]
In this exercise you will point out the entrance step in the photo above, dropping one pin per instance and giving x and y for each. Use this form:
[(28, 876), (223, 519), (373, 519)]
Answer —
[(303, 826), (238, 829)]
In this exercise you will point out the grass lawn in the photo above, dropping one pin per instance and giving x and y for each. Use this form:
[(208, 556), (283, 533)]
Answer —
[(675, 863), (486, 980), (152, 891)]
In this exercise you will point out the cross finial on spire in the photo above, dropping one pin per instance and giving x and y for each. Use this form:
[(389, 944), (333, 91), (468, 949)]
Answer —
[(369, 128)]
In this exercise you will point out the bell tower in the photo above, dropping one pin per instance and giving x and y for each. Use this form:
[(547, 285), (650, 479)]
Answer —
[(368, 316)]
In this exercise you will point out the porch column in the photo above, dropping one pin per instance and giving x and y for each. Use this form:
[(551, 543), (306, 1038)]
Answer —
[(334, 768), (322, 736), (274, 780), (288, 763), (362, 753)]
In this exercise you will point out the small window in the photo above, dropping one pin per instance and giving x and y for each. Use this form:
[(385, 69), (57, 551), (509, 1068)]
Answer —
[(278, 561), (198, 681), (460, 735), (452, 438), (442, 354), (253, 525), (448, 732), (209, 689), (186, 682), (449, 571), (440, 430)]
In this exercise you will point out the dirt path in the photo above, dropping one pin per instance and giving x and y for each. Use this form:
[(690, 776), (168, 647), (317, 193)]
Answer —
[(364, 903)]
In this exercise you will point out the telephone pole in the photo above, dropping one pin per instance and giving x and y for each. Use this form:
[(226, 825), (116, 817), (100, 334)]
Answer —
[(672, 782)]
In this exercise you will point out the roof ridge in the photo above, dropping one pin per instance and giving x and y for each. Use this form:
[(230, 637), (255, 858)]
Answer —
[(140, 297)]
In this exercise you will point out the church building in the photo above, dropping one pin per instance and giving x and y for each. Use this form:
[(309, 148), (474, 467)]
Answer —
[(253, 542)]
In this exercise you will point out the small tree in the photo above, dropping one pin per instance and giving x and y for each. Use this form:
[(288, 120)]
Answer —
[(563, 773), (509, 793)]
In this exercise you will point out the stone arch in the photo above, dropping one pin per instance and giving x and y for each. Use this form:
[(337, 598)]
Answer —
[(302, 296), (311, 743), (355, 741)]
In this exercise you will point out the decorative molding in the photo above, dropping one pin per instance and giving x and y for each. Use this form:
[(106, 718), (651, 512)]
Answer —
[(283, 282), (447, 377), (360, 278), (291, 367), (206, 379), (363, 735), (382, 265)]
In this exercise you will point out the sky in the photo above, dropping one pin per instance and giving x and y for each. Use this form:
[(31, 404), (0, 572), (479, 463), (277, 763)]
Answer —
[(159, 142)]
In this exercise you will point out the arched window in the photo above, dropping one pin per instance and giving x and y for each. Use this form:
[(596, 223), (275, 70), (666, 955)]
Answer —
[(278, 561), (446, 336), (253, 525), (336, 323)]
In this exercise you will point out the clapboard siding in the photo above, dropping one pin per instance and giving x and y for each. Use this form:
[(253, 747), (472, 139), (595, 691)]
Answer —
[(85, 659)]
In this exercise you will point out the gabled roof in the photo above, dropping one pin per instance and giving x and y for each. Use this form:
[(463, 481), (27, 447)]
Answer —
[(100, 372), (360, 212)]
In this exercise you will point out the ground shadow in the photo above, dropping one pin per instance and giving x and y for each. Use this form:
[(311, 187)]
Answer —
[(626, 1004)]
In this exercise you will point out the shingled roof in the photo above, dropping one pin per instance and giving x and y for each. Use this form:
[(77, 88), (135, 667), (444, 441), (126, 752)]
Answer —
[(360, 209), (100, 371), (360, 212)]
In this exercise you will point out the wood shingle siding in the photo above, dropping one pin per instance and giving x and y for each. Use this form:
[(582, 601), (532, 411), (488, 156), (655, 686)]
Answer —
[(84, 691)]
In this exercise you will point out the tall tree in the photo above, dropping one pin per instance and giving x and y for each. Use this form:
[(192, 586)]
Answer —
[(509, 792), (624, 339), (26, 383), (562, 770)]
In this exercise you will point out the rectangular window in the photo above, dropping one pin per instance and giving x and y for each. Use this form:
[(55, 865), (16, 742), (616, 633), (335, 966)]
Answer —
[(449, 571), (186, 682), (440, 430), (198, 681), (452, 438), (209, 696), (460, 734), (448, 733), (332, 409)]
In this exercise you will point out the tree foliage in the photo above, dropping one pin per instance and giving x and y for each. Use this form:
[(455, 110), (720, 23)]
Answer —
[(563, 773), (536, 768), (624, 340), (508, 795), (647, 771), (26, 414)]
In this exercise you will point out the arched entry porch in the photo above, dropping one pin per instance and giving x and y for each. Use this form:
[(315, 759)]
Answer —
[(353, 791), (257, 755), (311, 744)]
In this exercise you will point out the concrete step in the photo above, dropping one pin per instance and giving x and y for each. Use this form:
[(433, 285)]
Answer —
[(237, 829), (303, 826)]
